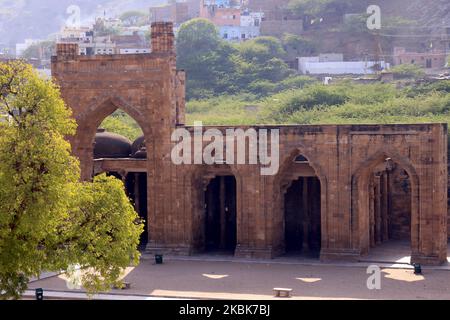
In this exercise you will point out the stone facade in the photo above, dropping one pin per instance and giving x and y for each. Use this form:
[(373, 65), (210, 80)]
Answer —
[(341, 162)]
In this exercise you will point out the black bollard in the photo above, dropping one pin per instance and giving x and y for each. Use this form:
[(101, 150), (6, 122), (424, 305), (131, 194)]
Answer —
[(159, 259), (417, 268), (39, 294)]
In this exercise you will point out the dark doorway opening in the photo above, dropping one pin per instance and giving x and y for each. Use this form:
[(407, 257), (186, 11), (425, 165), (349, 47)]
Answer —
[(303, 217), (221, 215), (389, 204), (136, 188)]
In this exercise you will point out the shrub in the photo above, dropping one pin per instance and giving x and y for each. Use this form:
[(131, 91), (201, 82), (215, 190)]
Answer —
[(405, 71)]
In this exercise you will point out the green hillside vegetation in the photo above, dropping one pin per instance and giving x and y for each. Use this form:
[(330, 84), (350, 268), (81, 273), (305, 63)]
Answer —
[(340, 103), (248, 83), (405, 71), (121, 123)]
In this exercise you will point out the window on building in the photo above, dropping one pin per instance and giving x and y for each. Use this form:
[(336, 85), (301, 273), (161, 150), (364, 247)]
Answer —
[(243, 36), (225, 35), (301, 159)]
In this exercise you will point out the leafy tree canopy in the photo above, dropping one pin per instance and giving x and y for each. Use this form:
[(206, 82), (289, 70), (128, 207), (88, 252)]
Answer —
[(215, 66), (317, 8), (49, 221), (404, 71), (134, 18), (41, 50)]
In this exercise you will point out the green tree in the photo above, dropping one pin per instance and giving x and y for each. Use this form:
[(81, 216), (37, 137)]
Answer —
[(134, 18), (121, 123), (404, 71), (260, 60), (205, 57), (41, 50), (215, 67), (315, 8), (308, 7), (49, 221), (261, 49), (299, 45)]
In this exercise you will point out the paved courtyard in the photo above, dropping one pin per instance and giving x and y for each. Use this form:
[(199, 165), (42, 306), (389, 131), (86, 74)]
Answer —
[(222, 277)]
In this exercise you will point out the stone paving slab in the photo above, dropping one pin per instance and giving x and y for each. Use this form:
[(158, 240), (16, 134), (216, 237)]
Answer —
[(68, 295), (255, 281)]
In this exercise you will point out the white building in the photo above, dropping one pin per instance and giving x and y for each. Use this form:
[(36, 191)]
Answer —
[(249, 28), (80, 33), (321, 66), (238, 33), (133, 50), (251, 19)]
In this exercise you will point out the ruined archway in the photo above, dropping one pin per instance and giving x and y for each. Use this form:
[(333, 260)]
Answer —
[(385, 202), (114, 154)]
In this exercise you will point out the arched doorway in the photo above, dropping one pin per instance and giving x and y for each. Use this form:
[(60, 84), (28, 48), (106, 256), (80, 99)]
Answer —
[(136, 188), (385, 209), (302, 209), (388, 212), (220, 215)]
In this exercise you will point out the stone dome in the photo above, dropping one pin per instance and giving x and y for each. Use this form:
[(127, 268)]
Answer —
[(138, 149), (111, 145)]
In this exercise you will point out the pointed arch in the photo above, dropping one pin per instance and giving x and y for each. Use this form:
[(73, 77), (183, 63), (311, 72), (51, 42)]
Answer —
[(92, 117), (289, 160), (281, 185), (360, 198), (97, 111)]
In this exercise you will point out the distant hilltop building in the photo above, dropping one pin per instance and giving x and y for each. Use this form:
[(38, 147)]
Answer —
[(434, 59), (177, 12), (278, 19), (235, 23), (90, 44), (268, 6), (218, 3)]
